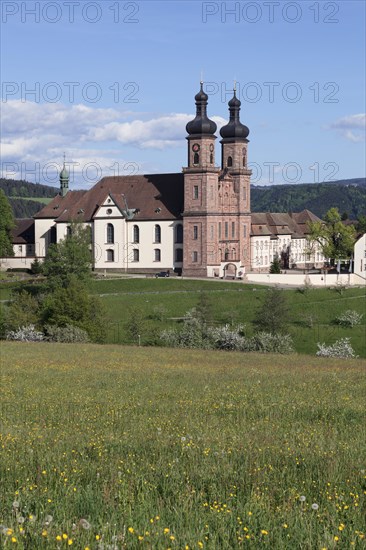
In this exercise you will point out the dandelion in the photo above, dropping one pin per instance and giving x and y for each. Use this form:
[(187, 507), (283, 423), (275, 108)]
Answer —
[(284, 525), (131, 530), (14, 539), (183, 439), (336, 538), (341, 527), (166, 530), (16, 504), (302, 498), (64, 536), (315, 506), (70, 542), (264, 532), (44, 533), (21, 520), (48, 519), (59, 538)]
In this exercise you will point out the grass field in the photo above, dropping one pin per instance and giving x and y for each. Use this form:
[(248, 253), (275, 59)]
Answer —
[(233, 302), (312, 314), (155, 448)]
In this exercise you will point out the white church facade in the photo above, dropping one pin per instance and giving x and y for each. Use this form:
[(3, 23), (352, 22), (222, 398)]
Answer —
[(197, 222)]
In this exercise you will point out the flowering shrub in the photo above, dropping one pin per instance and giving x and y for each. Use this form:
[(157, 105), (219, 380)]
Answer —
[(349, 318), (227, 338), (341, 348), (265, 342), (194, 334), (25, 334), (68, 334)]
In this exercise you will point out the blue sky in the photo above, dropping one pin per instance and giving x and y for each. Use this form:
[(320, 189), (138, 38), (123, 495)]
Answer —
[(114, 83)]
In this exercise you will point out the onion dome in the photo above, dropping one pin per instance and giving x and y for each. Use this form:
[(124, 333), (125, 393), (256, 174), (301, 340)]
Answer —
[(64, 175), (234, 129), (201, 124)]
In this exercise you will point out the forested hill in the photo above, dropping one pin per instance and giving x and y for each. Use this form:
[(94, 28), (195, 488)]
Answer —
[(26, 198), (349, 196)]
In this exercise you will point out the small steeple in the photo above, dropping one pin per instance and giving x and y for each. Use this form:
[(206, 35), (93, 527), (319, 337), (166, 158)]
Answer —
[(234, 129), (201, 124), (64, 179)]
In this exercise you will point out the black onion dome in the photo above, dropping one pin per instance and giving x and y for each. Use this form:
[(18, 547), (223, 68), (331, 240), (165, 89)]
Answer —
[(201, 124), (234, 128)]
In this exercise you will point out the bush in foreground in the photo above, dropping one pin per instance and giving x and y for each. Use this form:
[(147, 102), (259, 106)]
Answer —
[(341, 349), (349, 318), (25, 334), (68, 334)]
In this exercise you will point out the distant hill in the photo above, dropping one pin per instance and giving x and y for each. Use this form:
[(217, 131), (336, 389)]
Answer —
[(23, 196), (347, 195)]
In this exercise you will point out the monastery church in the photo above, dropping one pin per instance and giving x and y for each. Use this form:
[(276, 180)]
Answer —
[(197, 222)]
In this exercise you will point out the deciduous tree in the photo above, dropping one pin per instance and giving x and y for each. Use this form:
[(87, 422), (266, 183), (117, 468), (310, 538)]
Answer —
[(71, 257), (335, 239), (6, 225)]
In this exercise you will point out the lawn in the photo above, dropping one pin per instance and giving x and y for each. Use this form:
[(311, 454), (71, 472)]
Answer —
[(162, 304), (162, 301), (126, 447)]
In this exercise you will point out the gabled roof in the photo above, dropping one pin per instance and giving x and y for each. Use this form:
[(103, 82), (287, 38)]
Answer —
[(155, 196), (278, 223), (59, 204), (23, 232)]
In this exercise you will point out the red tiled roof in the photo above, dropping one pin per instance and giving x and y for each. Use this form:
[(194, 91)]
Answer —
[(23, 232), (156, 196), (278, 223), (59, 204)]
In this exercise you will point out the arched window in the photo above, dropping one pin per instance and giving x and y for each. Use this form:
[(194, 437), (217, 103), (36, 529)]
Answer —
[(229, 161), (157, 255), (110, 255), (179, 233), (211, 158), (110, 233), (136, 254), (196, 158), (136, 234), (157, 234)]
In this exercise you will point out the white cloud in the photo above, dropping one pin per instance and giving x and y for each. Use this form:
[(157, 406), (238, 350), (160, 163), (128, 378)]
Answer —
[(37, 134), (351, 127)]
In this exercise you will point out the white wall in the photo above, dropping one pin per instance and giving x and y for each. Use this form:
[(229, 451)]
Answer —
[(299, 279), (360, 257), (42, 235)]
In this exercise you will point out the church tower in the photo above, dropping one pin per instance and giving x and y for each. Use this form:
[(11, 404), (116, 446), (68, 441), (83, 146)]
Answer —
[(64, 180), (235, 190), (200, 192)]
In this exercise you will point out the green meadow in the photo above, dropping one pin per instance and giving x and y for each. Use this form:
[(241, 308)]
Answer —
[(125, 447), (163, 303)]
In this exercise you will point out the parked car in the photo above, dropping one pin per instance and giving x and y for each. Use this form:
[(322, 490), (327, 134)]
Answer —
[(162, 274)]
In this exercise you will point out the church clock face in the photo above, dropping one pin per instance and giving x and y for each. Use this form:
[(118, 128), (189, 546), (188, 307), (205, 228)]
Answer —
[(195, 147)]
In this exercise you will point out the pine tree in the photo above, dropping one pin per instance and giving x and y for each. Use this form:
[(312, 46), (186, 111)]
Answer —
[(275, 266)]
